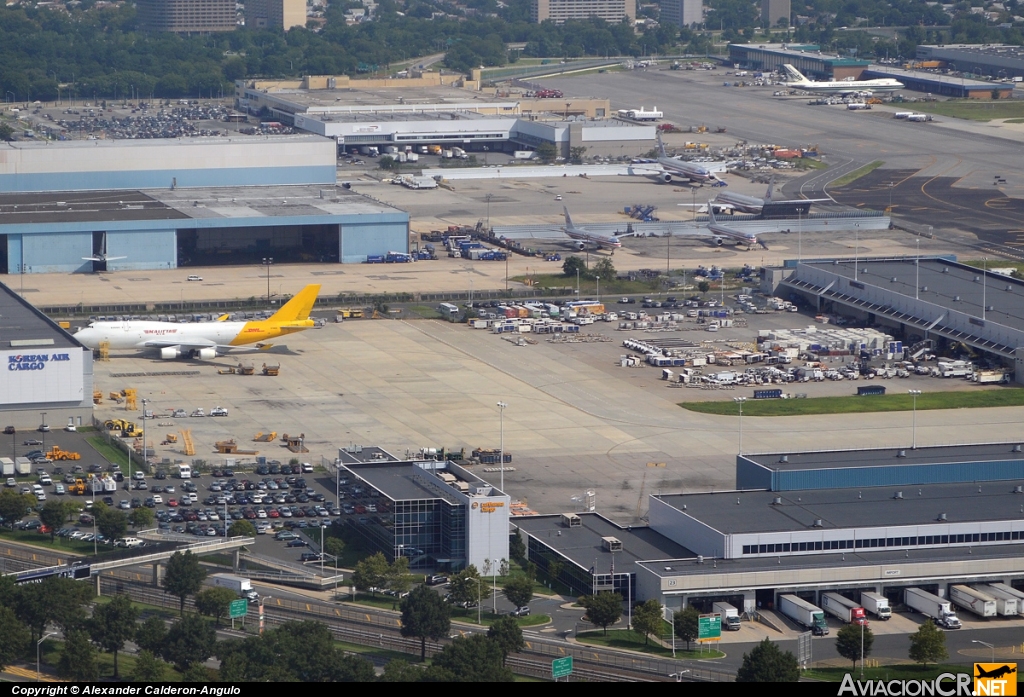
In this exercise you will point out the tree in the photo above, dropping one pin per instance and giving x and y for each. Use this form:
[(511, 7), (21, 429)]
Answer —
[(703, 287), (6, 132), (111, 522), (141, 517), (767, 663), (78, 658), (183, 577), (242, 528), (572, 264), (605, 269), (113, 624), (516, 546), (335, 546), (195, 672), (425, 615), (14, 506), (148, 668), (215, 602), (52, 516), (371, 572), (687, 625), (647, 618), (576, 154), (602, 609), (476, 658), (518, 590), (464, 587), (547, 152), (397, 670), (189, 640), (397, 577), (848, 642), (151, 635), (387, 162), (14, 637), (508, 635), (928, 644)]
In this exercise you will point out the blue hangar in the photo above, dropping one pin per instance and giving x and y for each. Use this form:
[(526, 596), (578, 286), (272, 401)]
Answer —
[(163, 204)]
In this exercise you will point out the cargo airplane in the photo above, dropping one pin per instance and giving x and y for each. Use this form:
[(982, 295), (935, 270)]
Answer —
[(796, 80), (671, 167), (204, 340)]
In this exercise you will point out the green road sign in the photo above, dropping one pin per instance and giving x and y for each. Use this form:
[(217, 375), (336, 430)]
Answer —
[(709, 628), (561, 667), (238, 608)]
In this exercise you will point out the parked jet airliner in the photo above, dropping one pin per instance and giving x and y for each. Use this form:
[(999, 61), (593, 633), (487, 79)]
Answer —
[(203, 340), (795, 79)]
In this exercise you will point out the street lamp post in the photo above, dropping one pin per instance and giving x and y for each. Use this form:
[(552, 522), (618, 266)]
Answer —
[(501, 442), (38, 644), (488, 197), (739, 401), (914, 394), (267, 261), (992, 647), (43, 429), (598, 288)]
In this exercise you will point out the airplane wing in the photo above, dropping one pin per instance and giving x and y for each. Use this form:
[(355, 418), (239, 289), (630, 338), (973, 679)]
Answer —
[(196, 344), (703, 207)]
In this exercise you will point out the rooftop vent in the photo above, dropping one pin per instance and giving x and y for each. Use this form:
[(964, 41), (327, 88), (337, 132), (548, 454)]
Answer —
[(945, 269), (700, 558), (818, 523), (989, 308), (611, 544), (892, 280), (899, 495), (942, 516), (737, 500), (783, 459), (777, 501), (924, 289), (901, 453), (1018, 489), (956, 298), (571, 520), (977, 279), (1009, 288), (1016, 448)]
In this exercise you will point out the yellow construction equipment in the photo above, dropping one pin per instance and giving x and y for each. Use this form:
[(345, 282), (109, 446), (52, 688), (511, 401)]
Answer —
[(115, 396), (351, 313), (129, 399), (97, 397), (77, 488), (187, 447), (127, 428), (272, 370), (262, 437), (171, 438), (103, 352), (55, 453), (245, 369), (230, 447)]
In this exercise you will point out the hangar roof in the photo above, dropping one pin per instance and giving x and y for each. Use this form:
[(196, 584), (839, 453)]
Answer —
[(887, 457), (23, 327), (399, 481), (182, 204), (738, 512), (583, 544), (128, 144)]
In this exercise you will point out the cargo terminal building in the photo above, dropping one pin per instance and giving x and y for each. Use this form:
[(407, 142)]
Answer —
[(846, 521), (46, 375), (164, 204), (931, 298)]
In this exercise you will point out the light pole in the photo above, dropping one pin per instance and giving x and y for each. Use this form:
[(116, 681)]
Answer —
[(321, 551), (92, 485), (501, 442), (990, 646), (577, 282), (38, 644), (739, 401), (488, 197), (267, 261), (263, 599), (43, 428), (145, 453), (914, 394), (598, 288), (479, 597)]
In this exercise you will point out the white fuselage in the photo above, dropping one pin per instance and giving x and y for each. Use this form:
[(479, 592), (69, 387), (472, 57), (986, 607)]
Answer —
[(740, 202), (848, 86), (581, 235), (685, 169), (729, 233), (141, 334)]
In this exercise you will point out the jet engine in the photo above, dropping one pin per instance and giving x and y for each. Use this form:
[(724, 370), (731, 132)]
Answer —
[(719, 241), (581, 246), (666, 177), (170, 353), (206, 354)]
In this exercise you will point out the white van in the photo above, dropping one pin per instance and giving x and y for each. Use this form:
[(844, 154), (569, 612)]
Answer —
[(128, 542)]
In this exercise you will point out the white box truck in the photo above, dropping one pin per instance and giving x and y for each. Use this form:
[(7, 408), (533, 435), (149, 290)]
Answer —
[(1007, 591), (239, 584), (1007, 604), (730, 616), (7, 464), (843, 608), (803, 613), (876, 604), (932, 606), (981, 604), (184, 471)]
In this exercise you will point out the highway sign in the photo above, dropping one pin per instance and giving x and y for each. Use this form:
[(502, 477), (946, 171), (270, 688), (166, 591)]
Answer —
[(238, 608), (561, 667), (709, 628)]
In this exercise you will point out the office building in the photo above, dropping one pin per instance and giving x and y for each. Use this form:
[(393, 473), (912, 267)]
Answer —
[(774, 10), (186, 16), (560, 11), (682, 13), (275, 14)]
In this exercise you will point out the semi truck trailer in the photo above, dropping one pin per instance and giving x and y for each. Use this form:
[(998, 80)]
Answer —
[(932, 606), (803, 613)]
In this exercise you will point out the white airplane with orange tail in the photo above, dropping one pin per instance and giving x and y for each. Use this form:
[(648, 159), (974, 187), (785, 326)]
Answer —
[(204, 340)]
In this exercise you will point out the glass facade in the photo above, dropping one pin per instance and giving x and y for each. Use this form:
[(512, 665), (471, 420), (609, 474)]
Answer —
[(430, 532)]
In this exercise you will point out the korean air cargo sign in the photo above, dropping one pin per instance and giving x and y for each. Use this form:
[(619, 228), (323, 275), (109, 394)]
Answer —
[(37, 377)]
